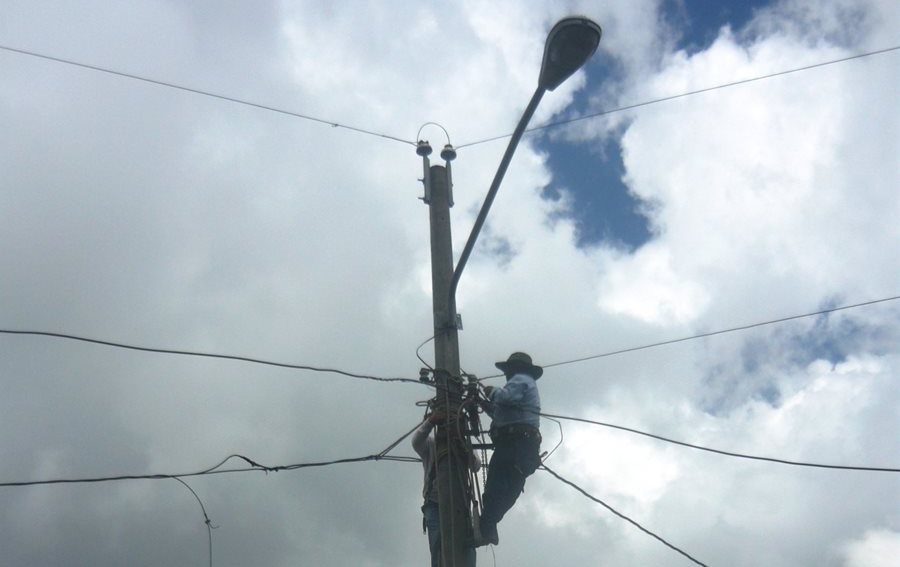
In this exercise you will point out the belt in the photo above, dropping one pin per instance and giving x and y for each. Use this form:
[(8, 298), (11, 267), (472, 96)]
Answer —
[(515, 431)]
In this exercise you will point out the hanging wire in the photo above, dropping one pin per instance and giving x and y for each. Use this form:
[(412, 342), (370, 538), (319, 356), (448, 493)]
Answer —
[(202, 92), (204, 355), (217, 469), (710, 334), (681, 95), (206, 520), (419, 133), (419, 348), (727, 453), (390, 447), (558, 424), (624, 517)]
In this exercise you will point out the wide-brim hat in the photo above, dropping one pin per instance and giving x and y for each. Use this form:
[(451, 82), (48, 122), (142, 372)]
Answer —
[(520, 362)]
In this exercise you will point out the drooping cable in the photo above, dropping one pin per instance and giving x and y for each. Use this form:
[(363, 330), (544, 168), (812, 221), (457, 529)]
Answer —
[(212, 471), (555, 447), (204, 355), (201, 92), (710, 334), (682, 95), (390, 447), (727, 453), (206, 520), (624, 517), (419, 356)]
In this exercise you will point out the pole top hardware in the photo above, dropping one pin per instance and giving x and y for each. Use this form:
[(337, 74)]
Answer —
[(423, 148), (448, 153)]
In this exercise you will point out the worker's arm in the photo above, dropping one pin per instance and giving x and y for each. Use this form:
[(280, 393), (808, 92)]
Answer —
[(513, 392), (420, 436)]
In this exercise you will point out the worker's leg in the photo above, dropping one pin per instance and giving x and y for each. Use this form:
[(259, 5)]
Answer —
[(503, 486), (433, 526)]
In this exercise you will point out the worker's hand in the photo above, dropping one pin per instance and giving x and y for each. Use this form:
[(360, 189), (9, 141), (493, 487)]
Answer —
[(437, 416), (488, 390)]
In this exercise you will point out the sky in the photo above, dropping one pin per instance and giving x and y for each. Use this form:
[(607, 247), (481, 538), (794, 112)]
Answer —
[(142, 214)]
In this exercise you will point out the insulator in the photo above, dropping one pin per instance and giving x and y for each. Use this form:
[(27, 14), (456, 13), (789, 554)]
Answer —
[(448, 153), (423, 148)]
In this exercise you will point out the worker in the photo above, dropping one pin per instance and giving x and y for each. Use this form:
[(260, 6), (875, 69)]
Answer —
[(515, 412), (423, 444)]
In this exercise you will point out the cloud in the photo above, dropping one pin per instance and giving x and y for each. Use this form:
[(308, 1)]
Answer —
[(875, 548), (142, 214)]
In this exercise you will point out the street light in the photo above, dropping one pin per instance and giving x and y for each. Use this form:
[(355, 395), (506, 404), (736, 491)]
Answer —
[(570, 43)]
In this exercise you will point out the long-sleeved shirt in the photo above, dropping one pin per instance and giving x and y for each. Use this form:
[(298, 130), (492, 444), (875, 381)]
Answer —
[(518, 402)]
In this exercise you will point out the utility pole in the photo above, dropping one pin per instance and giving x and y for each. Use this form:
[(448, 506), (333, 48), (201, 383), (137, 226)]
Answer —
[(570, 43), (450, 459)]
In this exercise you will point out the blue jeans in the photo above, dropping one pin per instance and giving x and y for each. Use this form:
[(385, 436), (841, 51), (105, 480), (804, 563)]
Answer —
[(514, 459), (433, 527)]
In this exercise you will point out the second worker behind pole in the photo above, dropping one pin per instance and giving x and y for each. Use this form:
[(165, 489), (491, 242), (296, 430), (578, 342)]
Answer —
[(424, 445)]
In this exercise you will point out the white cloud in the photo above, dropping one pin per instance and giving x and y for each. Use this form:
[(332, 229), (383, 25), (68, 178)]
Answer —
[(142, 214), (876, 548)]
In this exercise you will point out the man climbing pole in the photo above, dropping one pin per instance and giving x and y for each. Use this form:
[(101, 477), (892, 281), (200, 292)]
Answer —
[(516, 436), (423, 444)]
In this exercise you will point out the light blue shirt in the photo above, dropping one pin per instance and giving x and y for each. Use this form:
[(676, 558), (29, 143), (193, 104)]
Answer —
[(518, 402)]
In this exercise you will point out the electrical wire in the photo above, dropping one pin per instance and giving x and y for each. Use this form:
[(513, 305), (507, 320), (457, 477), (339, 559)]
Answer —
[(202, 92), (205, 355), (212, 471), (390, 447), (624, 517), (710, 334), (726, 453), (558, 424), (206, 520), (863, 468), (681, 95), (419, 356)]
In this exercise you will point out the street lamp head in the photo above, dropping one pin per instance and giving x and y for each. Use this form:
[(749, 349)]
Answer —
[(569, 45)]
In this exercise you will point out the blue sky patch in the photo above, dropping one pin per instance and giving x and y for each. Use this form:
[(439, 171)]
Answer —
[(603, 209), (591, 172)]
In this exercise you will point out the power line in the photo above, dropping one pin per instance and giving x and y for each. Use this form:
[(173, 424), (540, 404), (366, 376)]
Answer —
[(623, 516), (726, 453), (203, 93), (711, 333), (204, 355), (207, 521), (682, 95), (253, 466)]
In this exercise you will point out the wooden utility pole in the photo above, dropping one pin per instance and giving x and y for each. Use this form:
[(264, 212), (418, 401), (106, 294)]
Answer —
[(570, 43), (450, 460)]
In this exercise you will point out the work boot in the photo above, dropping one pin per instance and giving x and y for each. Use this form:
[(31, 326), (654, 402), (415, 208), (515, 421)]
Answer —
[(486, 535)]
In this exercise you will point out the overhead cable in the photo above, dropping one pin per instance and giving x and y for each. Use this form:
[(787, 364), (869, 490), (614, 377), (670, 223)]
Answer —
[(711, 333), (203, 92), (205, 355), (253, 467), (726, 453), (682, 95), (207, 521), (623, 516)]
